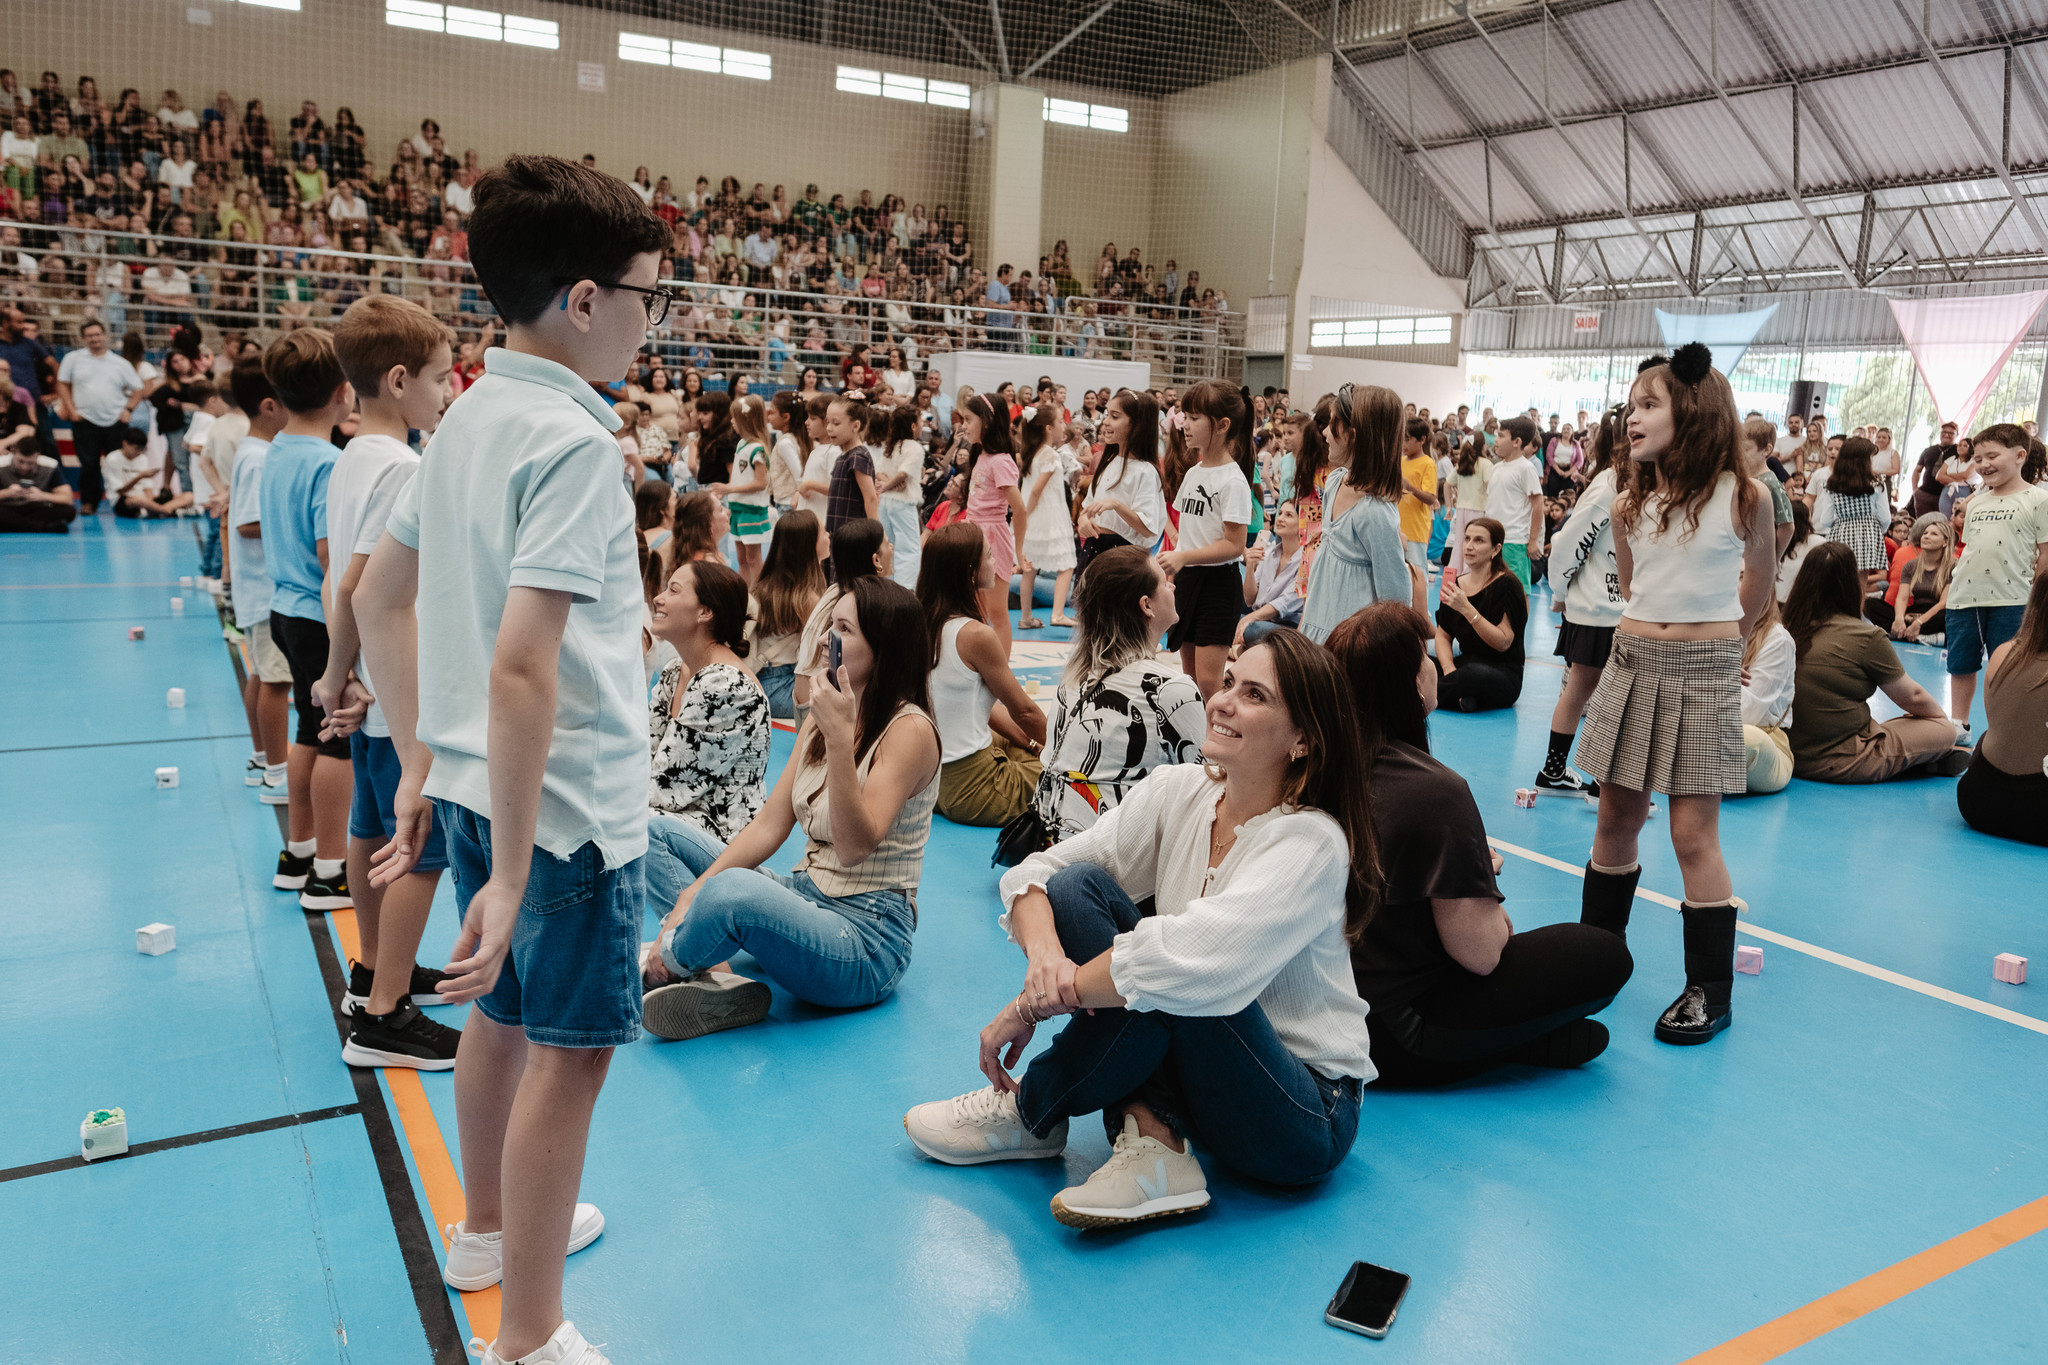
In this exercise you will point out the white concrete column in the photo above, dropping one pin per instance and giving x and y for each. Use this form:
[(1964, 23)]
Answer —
[(1006, 175)]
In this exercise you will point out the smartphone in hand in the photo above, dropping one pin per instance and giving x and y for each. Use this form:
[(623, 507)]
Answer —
[(832, 657)]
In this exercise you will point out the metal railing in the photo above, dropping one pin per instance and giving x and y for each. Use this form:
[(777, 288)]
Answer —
[(61, 276)]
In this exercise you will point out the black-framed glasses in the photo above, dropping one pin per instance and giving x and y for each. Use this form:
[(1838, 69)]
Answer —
[(657, 299)]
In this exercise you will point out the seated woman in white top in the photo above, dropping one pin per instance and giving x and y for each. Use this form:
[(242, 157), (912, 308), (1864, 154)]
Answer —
[(1120, 712), (1229, 1015), (861, 782), (1770, 659), (991, 750), (707, 722)]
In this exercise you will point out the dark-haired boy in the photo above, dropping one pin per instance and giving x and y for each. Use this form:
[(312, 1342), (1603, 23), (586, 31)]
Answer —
[(307, 381), (500, 617)]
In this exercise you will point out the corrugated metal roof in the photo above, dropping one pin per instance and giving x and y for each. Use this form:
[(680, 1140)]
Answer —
[(1901, 123)]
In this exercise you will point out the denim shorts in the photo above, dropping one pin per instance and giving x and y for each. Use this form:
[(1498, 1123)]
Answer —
[(370, 813), (571, 977), (1974, 632)]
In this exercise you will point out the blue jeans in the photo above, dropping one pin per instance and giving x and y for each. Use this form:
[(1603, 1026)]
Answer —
[(839, 952), (571, 977), (1228, 1081), (372, 812), (209, 548), (779, 682), (1259, 630), (1973, 632)]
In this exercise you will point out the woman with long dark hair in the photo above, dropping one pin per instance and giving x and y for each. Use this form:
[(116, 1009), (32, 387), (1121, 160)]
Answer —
[(1361, 560), (1454, 990), (707, 725), (2005, 790), (1843, 659), (1857, 510), (1228, 1014), (1480, 619), (791, 582), (991, 732), (862, 782), (1126, 504)]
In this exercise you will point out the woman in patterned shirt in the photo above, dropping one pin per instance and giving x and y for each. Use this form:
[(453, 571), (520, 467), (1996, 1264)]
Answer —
[(707, 724)]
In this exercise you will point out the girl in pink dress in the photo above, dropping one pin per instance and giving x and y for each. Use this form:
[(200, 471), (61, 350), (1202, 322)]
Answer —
[(993, 500)]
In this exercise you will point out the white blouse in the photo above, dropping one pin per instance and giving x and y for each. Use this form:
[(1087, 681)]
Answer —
[(1266, 924), (1135, 484), (1767, 696)]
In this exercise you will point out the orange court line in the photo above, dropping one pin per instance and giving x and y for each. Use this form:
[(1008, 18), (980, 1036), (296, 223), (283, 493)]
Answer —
[(438, 1176), (1873, 1292)]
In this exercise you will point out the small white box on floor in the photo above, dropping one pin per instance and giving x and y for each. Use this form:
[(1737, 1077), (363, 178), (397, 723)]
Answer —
[(156, 939), (103, 1133), (1750, 960), (175, 699), (167, 777), (184, 580), (177, 605), (2010, 967)]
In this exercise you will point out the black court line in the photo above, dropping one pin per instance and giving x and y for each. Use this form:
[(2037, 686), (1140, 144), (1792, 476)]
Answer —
[(73, 1163), (127, 743), (408, 1223)]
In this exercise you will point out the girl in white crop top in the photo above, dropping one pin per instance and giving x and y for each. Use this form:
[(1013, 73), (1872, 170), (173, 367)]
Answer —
[(1693, 549)]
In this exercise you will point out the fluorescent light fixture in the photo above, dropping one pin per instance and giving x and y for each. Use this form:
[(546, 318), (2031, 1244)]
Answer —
[(895, 87), (533, 32), (413, 14), (854, 80), (476, 23), (695, 57), (640, 47), (274, 4), (1066, 111), (754, 66), (949, 94), (1109, 119)]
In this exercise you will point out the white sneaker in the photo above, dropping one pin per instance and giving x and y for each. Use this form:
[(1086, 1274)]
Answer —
[(984, 1126), (565, 1347), (476, 1260), (274, 794), (707, 1002), (1143, 1178)]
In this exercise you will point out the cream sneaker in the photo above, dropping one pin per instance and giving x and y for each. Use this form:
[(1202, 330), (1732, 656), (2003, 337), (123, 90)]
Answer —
[(565, 1347), (1143, 1178), (984, 1126), (476, 1260)]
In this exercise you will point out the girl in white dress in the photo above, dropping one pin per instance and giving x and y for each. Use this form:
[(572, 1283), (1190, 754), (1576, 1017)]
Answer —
[(1048, 541)]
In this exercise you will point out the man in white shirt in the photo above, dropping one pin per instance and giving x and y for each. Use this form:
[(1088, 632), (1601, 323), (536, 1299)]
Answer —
[(1515, 497), (459, 195), (166, 295), (96, 392), (1794, 437)]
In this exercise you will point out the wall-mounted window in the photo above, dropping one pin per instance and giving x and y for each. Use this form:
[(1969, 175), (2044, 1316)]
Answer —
[(854, 80), (274, 4), (1106, 118), (1361, 332), (463, 22), (718, 61)]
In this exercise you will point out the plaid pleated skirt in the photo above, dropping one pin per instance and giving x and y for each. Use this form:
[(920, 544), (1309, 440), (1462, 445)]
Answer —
[(1667, 717)]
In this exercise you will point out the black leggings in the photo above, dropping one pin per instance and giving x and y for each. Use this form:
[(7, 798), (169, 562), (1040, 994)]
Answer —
[(1477, 686), (1547, 978), (1995, 802), (1882, 614)]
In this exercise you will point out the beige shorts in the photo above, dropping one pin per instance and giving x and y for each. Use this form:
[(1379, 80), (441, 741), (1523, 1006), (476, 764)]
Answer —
[(268, 658)]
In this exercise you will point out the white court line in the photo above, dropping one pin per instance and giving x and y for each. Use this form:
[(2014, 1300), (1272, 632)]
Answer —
[(2025, 1021)]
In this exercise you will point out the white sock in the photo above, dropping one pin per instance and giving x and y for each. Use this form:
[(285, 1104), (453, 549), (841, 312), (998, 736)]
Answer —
[(300, 848), (326, 868), (258, 756), (273, 774)]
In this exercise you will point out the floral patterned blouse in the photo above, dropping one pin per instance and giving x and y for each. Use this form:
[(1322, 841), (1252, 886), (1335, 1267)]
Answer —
[(710, 759)]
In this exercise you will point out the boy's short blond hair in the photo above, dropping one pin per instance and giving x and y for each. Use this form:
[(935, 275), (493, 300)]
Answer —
[(302, 370), (1761, 434), (380, 331)]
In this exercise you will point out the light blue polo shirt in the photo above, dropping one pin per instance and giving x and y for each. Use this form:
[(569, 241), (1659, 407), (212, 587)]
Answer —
[(521, 489), (294, 499)]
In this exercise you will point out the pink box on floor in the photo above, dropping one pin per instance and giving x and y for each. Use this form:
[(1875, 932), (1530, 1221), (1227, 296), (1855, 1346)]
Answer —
[(135, 632), (1750, 960), (1525, 797), (2010, 967)]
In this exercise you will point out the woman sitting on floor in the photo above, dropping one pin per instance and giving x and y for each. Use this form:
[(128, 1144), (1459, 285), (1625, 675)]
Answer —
[(1769, 668), (1843, 659), (991, 731), (2005, 790), (862, 782), (707, 720), (1228, 1013), (700, 522), (1483, 611), (1915, 607), (791, 582), (1454, 990), (1120, 713)]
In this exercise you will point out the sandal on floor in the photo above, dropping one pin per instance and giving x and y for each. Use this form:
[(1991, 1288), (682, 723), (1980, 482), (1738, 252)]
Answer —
[(1031, 623), (1065, 623)]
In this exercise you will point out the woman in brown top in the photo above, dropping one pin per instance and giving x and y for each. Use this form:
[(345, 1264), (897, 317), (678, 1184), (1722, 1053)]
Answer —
[(2005, 790)]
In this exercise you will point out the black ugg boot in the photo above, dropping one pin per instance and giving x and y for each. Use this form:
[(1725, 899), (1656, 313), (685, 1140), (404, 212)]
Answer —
[(1703, 1010), (1607, 897)]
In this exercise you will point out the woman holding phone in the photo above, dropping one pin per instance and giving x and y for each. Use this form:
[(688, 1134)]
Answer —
[(862, 782)]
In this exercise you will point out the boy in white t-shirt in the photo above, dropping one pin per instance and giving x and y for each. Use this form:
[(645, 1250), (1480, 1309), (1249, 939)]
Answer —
[(2005, 548), (267, 694), (400, 361), (208, 496), (500, 617), (1515, 496)]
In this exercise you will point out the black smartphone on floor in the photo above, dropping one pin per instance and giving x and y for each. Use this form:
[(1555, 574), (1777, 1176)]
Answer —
[(1367, 1300)]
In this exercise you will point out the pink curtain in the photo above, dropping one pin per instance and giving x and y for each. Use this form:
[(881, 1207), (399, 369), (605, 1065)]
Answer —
[(1960, 345)]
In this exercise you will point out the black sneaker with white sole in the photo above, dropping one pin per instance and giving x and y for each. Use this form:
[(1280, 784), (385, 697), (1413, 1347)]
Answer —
[(425, 986), (1567, 783), (404, 1037), (326, 893), (292, 871)]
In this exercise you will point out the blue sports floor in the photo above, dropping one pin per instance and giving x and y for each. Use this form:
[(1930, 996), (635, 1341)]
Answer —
[(1851, 1174)]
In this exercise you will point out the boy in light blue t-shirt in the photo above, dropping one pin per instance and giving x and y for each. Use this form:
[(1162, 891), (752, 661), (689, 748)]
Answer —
[(500, 621)]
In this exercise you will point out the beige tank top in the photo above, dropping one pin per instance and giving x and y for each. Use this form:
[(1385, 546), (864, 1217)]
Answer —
[(2016, 716), (898, 858)]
